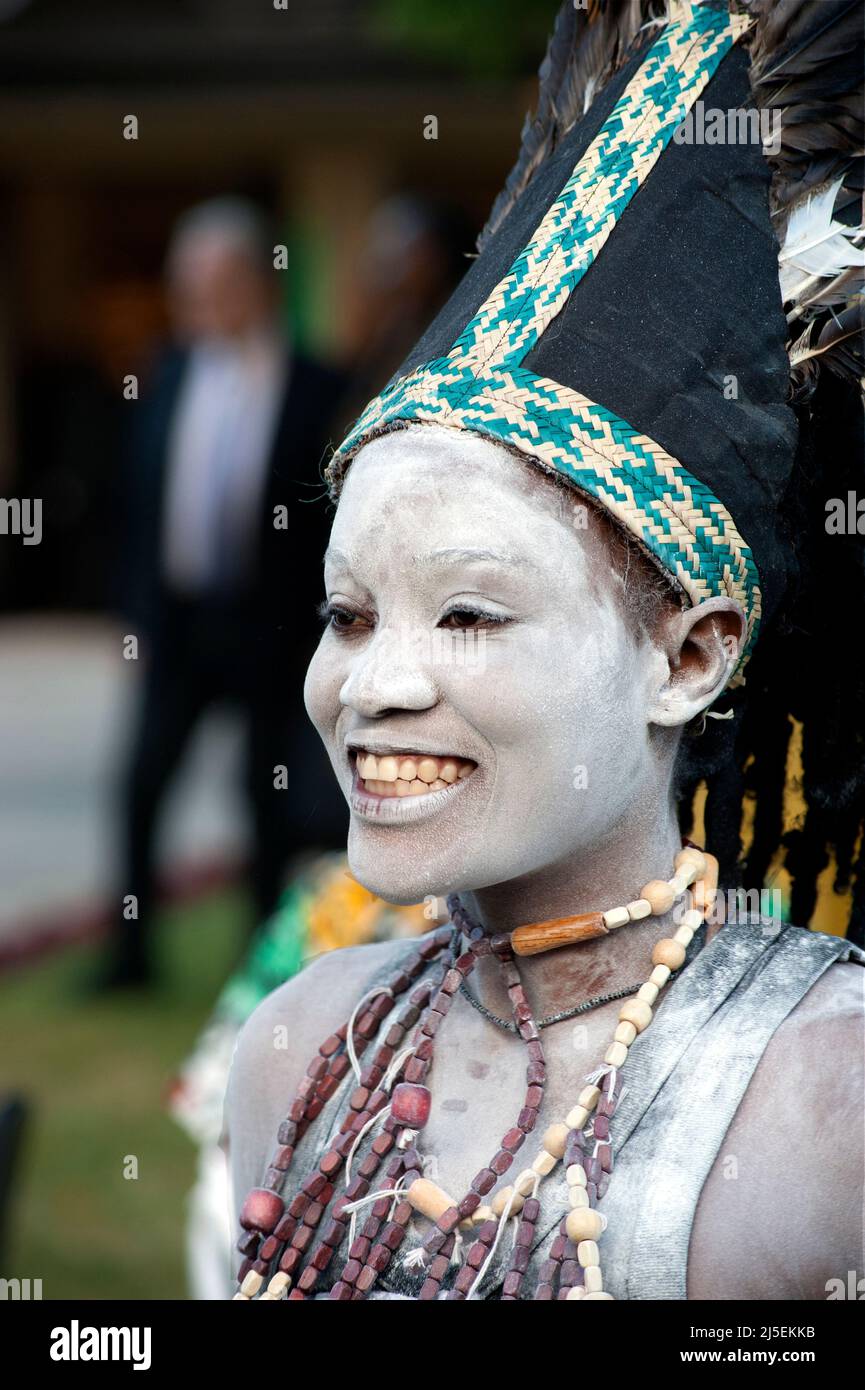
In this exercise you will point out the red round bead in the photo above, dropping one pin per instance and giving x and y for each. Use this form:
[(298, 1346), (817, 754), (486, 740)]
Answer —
[(410, 1104), (261, 1210)]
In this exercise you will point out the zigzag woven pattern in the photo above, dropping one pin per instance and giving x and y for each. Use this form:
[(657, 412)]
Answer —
[(674, 73), (481, 386)]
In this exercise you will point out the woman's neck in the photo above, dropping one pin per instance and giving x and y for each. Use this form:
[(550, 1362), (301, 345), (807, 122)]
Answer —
[(609, 874)]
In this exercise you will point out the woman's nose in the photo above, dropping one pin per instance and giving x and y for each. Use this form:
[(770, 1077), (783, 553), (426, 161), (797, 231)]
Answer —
[(393, 672)]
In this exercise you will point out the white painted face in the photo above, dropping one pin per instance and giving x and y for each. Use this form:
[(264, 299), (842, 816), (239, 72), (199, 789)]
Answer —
[(473, 621)]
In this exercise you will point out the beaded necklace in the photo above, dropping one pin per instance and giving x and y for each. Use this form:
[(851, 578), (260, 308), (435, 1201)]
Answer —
[(585, 1007), (302, 1234)]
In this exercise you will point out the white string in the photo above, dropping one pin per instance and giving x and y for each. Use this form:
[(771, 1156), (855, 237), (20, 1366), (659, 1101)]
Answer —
[(373, 1120), (395, 1066), (503, 1219), (372, 1197), (400, 1191), (349, 1039)]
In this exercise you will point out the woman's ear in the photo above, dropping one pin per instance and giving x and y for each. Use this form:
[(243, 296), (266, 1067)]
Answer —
[(702, 646)]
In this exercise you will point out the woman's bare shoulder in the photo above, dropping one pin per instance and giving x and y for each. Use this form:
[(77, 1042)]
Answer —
[(789, 1178)]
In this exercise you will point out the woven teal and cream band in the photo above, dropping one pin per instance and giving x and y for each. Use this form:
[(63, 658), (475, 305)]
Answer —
[(481, 384)]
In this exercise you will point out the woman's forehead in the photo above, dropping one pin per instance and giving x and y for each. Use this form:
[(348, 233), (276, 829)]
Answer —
[(442, 476)]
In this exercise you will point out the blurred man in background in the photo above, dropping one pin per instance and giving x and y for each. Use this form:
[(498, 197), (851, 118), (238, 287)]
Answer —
[(223, 535)]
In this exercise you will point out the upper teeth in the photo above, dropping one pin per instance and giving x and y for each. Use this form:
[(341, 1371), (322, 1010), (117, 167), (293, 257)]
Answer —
[(411, 774)]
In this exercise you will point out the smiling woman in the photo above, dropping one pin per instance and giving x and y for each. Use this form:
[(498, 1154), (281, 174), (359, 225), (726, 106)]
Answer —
[(617, 576)]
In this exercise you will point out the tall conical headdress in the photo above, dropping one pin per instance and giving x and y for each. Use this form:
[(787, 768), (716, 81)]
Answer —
[(627, 324)]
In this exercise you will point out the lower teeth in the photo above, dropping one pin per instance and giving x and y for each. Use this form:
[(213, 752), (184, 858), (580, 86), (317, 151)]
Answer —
[(402, 788)]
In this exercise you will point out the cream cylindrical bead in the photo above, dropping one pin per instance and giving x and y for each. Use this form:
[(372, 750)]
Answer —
[(616, 917), (683, 935), (252, 1283), (593, 1280), (555, 1138), (484, 1213), (279, 1283), (428, 1198), (599, 1295), (578, 1197), (525, 1181), (648, 992), (576, 1175), (576, 1292), (692, 918), (639, 908), (660, 975), (589, 1097), (659, 895), (544, 1163), (616, 1054), (576, 1118), (681, 880), (588, 1253), (636, 1011), (625, 1033)]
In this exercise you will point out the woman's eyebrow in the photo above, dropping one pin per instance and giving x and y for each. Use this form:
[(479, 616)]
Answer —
[(451, 555), (459, 555)]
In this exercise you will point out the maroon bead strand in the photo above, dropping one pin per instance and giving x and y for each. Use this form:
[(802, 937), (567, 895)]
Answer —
[(485, 1180), (522, 1250), (264, 1214), (363, 1105)]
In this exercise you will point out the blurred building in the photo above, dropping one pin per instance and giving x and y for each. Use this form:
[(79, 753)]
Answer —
[(314, 110)]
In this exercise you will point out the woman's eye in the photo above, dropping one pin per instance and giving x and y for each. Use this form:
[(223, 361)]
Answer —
[(339, 618), (470, 617)]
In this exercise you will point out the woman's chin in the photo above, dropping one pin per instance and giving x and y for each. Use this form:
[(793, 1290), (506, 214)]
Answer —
[(398, 877)]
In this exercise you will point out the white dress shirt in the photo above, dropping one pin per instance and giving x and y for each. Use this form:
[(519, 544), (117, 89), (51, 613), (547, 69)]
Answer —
[(219, 445)]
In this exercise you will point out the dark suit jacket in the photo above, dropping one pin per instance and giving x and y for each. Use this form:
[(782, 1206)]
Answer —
[(279, 604)]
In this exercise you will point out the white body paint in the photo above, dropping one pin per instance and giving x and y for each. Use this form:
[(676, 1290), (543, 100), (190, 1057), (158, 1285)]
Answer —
[(573, 724)]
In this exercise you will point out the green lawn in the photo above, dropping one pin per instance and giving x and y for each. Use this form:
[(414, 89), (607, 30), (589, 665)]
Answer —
[(94, 1072)]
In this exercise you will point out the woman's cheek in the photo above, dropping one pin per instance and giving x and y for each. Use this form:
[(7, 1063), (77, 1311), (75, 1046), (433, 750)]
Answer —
[(321, 689)]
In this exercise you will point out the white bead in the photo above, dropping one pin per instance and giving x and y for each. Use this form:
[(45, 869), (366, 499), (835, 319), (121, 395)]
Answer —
[(578, 1197), (252, 1283), (692, 918), (577, 1292), (639, 908), (660, 975), (576, 1118), (576, 1175), (684, 935), (593, 1280), (588, 1254), (544, 1163), (616, 917), (648, 991), (616, 1054)]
